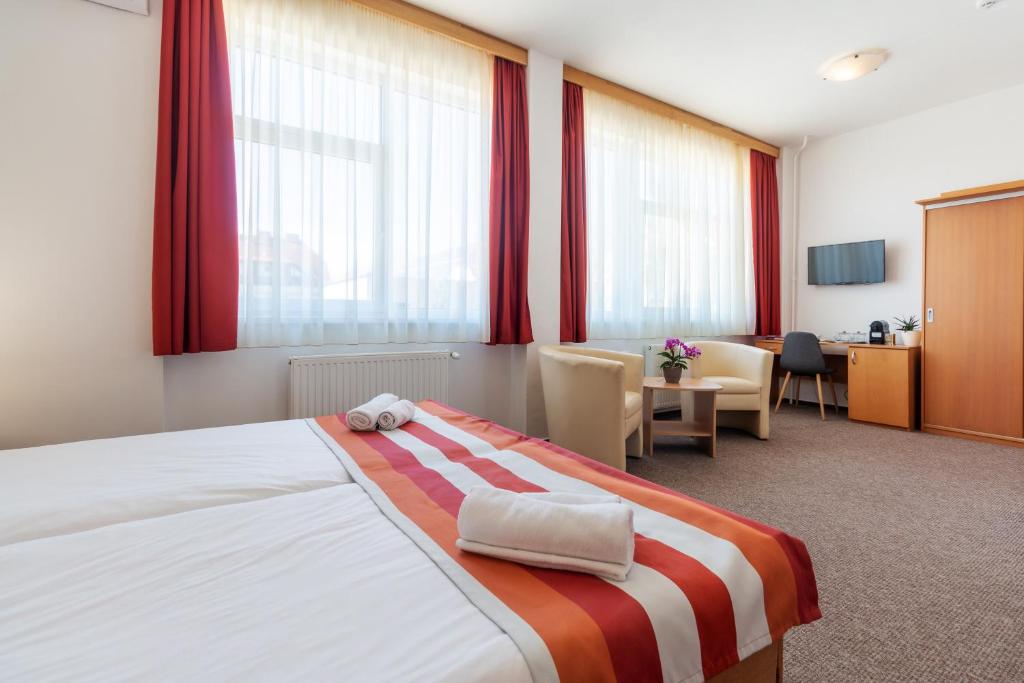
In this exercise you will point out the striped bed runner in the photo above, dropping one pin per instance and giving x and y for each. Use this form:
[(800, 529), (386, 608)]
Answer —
[(707, 589)]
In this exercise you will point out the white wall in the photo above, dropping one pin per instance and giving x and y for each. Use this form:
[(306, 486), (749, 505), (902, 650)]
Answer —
[(862, 185), (545, 261), (786, 173), (78, 99)]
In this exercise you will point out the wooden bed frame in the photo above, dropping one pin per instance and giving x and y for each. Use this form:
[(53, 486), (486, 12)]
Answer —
[(764, 666)]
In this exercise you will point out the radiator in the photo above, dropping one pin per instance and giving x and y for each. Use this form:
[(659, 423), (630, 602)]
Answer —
[(324, 385)]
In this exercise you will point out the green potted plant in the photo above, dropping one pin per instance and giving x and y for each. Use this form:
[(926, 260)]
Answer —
[(676, 355), (909, 328)]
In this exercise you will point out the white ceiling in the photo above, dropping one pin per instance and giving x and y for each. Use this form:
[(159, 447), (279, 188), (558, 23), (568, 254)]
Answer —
[(752, 64)]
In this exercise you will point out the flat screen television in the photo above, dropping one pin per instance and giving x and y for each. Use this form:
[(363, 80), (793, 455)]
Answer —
[(854, 263)]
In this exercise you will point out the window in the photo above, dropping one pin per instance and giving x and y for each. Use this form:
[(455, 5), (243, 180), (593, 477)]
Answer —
[(363, 151), (669, 233)]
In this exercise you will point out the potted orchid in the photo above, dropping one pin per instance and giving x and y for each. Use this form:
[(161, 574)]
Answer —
[(676, 354)]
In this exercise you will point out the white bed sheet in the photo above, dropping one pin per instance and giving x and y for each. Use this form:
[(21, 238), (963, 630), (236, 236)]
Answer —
[(314, 586), (52, 490)]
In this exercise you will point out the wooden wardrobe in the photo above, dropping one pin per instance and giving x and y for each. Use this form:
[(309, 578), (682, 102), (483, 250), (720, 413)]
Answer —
[(972, 375)]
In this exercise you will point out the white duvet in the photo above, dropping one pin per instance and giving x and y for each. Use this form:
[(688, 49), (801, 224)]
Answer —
[(241, 553), (52, 490)]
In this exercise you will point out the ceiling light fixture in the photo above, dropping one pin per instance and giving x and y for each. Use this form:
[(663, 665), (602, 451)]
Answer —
[(854, 65)]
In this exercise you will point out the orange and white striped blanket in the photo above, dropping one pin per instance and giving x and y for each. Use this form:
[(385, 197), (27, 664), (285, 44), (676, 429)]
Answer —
[(707, 589)]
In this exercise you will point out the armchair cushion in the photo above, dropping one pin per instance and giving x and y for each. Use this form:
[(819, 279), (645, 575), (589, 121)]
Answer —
[(734, 385), (748, 402)]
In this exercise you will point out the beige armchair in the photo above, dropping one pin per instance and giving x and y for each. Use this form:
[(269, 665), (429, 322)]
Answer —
[(745, 373), (593, 400)]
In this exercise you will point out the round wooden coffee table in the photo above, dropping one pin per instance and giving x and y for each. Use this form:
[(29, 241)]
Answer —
[(703, 425)]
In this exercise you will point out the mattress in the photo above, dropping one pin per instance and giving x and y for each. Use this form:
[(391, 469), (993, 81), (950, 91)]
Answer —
[(303, 586)]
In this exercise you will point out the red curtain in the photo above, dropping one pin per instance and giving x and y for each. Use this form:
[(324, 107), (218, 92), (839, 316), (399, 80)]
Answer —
[(764, 203), (195, 233), (574, 217), (510, 206)]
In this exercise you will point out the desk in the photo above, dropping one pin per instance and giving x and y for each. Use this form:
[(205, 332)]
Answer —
[(881, 380), (835, 358), (702, 427)]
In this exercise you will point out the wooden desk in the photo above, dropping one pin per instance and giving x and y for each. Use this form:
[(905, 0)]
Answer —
[(705, 416), (835, 358), (881, 380)]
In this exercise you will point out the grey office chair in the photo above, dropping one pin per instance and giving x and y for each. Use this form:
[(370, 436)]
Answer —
[(802, 356)]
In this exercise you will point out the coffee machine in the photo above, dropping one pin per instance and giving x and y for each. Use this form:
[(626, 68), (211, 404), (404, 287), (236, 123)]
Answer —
[(878, 332)]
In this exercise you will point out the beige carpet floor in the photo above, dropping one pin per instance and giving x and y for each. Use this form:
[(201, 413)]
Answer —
[(917, 542)]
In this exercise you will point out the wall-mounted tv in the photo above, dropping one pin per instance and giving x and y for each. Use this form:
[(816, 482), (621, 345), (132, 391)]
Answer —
[(854, 263)]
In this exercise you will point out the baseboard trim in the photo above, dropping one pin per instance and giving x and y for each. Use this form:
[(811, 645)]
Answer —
[(973, 436)]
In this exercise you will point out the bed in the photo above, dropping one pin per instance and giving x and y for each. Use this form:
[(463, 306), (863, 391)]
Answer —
[(299, 549)]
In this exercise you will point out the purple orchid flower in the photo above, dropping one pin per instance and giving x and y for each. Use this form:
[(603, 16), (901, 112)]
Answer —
[(677, 353)]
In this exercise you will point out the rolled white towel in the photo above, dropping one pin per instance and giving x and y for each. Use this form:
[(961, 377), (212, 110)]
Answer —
[(397, 414), (594, 537), (364, 418), (607, 570)]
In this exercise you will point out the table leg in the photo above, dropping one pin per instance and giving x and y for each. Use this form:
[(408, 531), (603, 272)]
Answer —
[(705, 413), (714, 424), (648, 427)]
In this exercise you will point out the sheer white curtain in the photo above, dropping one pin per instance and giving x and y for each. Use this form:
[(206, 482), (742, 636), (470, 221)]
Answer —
[(669, 230), (363, 153)]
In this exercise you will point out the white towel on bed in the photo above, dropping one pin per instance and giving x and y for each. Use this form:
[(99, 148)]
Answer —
[(397, 414), (364, 418), (606, 570), (592, 537)]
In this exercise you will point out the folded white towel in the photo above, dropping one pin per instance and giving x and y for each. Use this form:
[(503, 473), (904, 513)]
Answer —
[(594, 537), (397, 414), (364, 418)]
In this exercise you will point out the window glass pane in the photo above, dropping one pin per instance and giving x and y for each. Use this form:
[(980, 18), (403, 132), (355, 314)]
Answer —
[(669, 247), (363, 162), (350, 230)]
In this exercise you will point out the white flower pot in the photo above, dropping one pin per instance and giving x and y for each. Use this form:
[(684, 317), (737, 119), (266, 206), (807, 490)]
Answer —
[(912, 338)]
